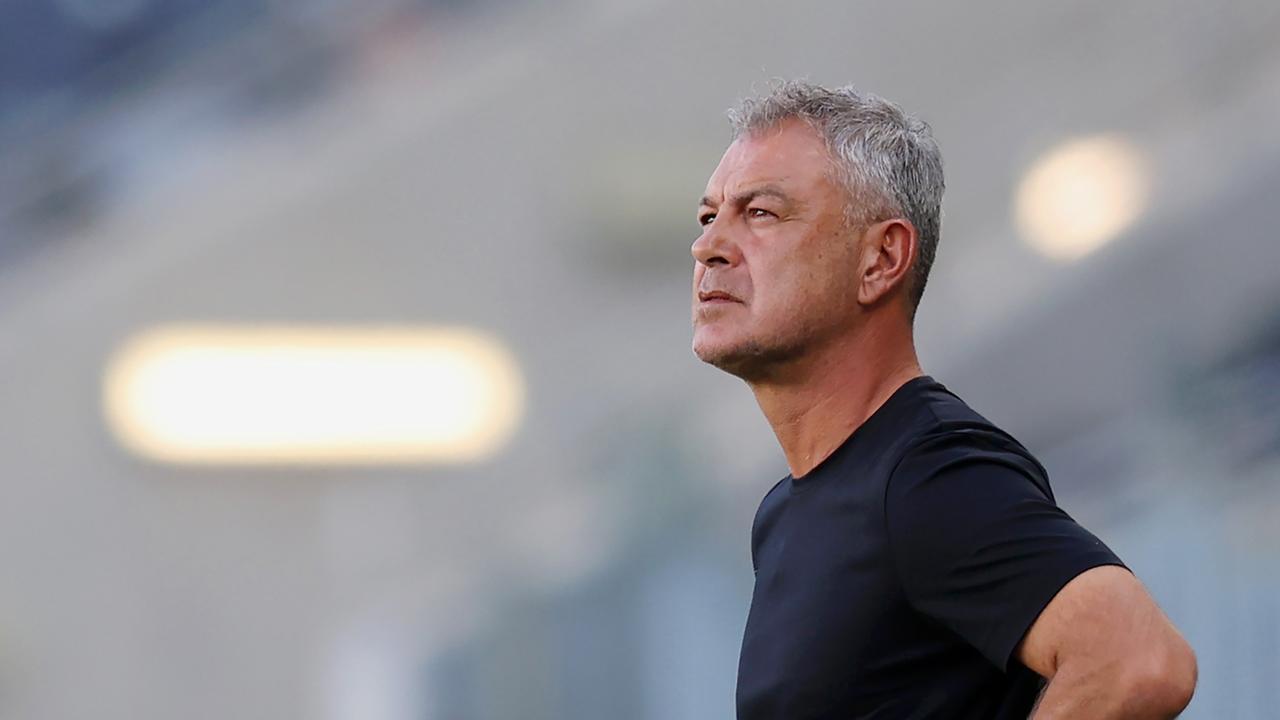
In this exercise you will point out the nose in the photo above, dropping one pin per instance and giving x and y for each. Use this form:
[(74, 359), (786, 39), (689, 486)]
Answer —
[(715, 247)]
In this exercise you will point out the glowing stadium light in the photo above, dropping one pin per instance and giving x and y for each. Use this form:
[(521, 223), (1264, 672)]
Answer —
[(1080, 195), (210, 395)]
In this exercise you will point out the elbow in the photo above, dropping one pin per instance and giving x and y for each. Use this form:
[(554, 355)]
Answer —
[(1163, 683)]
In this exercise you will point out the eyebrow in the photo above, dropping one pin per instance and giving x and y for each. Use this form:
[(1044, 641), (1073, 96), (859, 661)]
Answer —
[(748, 196)]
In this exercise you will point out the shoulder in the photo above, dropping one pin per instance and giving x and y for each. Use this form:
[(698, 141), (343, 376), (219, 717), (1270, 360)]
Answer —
[(770, 502), (974, 532), (948, 435), (768, 510)]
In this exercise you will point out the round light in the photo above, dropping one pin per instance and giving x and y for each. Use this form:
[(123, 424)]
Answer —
[(1080, 195)]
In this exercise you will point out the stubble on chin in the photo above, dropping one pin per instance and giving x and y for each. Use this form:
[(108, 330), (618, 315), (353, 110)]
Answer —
[(751, 360)]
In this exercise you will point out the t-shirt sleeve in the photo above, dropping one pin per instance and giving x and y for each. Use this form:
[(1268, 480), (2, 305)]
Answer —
[(979, 544)]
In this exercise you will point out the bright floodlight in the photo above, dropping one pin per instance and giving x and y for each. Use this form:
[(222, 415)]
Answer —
[(1080, 195), (255, 394)]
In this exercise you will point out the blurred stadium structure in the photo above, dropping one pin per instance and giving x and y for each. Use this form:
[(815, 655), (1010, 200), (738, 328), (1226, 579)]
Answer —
[(529, 171)]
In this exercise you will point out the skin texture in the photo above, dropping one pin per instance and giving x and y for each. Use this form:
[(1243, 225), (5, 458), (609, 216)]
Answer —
[(1110, 651), (814, 315)]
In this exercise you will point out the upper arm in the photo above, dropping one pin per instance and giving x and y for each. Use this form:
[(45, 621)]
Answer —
[(1104, 621), (978, 543)]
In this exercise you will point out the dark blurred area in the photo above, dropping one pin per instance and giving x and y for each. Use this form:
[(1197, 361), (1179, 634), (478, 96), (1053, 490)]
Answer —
[(466, 224)]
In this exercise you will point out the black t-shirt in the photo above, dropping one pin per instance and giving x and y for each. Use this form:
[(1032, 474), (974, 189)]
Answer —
[(895, 579)]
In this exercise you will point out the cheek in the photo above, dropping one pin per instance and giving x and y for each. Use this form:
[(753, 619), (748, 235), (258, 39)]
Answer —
[(802, 291), (777, 297), (781, 276)]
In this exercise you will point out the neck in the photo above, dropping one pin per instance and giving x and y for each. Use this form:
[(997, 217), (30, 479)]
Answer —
[(817, 402)]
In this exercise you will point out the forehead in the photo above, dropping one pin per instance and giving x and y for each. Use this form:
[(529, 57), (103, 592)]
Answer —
[(791, 155)]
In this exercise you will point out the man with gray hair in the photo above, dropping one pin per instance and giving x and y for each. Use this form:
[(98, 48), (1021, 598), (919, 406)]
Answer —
[(914, 563)]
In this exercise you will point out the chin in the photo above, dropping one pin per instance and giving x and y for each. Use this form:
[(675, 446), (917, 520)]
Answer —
[(749, 351), (708, 354), (712, 343), (746, 359)]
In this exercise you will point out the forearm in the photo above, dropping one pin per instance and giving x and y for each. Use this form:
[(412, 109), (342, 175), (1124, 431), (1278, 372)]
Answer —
[(1113, 692)]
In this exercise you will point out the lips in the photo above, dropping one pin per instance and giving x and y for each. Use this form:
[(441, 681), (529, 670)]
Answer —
[(716, 296)]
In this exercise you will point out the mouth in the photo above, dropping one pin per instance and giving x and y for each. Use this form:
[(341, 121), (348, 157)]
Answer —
[(716, 297)]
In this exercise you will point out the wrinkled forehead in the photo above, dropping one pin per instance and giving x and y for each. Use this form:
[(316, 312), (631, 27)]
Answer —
[(791, 155)]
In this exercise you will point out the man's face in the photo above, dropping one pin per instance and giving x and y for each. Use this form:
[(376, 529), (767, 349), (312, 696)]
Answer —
[(775, 272)]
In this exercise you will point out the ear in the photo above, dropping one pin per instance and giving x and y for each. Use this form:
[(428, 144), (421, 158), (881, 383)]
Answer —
[(888, 250)]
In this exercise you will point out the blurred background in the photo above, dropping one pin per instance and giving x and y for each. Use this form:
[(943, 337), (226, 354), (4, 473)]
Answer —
[(344, 346)]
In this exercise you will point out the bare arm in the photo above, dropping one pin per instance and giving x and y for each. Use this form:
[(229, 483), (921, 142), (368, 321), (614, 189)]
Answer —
[(1108, 652)]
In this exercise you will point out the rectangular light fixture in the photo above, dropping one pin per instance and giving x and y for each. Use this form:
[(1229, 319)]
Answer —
[(312, 395)]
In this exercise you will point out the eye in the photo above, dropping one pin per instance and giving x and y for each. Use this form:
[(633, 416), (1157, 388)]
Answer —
[(759, 212), (706, 218)]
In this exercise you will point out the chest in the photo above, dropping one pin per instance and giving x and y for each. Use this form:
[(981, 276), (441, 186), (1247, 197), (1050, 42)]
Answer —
[(826, 604)]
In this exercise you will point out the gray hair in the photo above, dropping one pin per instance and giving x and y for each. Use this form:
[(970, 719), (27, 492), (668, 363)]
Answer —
[(887, 159)]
